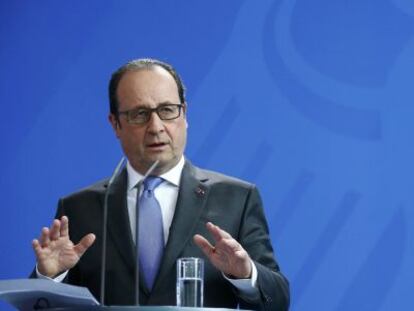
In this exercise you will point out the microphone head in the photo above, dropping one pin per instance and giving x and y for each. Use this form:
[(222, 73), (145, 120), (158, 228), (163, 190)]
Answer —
[(116, 171)]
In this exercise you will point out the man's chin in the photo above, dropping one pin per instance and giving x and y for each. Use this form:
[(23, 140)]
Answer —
[(164, 164), (166, 161)]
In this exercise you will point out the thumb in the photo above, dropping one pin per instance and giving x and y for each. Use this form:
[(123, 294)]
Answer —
[(84, 244)]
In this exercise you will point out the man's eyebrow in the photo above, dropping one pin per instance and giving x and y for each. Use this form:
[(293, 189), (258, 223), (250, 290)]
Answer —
[(146, 106), (165, 103)]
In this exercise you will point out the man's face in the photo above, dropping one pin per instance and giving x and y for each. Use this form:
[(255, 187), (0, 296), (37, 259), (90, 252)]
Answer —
[(143, 144)]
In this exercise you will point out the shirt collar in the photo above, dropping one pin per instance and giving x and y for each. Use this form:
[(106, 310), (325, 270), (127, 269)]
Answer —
[(172, 176)]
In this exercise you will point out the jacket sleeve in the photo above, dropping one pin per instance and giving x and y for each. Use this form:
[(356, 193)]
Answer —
[(254, 237)]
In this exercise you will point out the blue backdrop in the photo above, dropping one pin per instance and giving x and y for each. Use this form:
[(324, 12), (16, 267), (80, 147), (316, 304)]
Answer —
[(310, 100)]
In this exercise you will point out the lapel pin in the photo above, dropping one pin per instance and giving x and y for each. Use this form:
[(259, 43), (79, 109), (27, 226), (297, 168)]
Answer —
[(200, 192)]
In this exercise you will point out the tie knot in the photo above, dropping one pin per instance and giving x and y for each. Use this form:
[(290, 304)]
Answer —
[(152, 182)]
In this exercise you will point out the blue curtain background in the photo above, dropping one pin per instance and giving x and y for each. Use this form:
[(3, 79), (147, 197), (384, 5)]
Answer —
[(310, 100)]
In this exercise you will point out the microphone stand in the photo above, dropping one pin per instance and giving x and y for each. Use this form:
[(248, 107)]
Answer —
[(104, 229)]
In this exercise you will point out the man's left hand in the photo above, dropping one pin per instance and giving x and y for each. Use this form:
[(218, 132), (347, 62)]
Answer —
[(227, 255)]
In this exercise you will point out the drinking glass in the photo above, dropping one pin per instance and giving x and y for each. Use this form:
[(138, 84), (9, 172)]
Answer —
[(190, 282)]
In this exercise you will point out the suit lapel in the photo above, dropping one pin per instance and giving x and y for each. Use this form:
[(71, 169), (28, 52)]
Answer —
[(118, 219), (191, 200)]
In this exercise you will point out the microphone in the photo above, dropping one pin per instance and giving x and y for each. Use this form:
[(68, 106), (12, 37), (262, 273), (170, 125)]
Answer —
[(150, 170), (104, 228)]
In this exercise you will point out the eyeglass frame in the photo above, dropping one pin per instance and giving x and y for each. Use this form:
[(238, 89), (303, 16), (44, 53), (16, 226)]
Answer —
[(151, 111)]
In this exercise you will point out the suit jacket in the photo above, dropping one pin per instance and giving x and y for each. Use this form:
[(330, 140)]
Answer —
[(204, 196)]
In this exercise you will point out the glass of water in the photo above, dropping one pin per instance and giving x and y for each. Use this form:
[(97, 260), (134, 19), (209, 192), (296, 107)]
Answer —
[(190, 282)]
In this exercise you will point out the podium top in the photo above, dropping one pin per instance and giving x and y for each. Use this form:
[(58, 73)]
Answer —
[(136, 308), (36, 294)]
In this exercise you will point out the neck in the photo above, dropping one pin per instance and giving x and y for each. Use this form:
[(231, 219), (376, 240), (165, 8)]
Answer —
[(158, 170)]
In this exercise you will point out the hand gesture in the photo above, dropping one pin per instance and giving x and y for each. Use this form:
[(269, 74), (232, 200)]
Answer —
[(227, 255), (55, 252)]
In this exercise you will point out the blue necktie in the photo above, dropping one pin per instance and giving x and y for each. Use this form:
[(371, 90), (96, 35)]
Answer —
[(151, 231)]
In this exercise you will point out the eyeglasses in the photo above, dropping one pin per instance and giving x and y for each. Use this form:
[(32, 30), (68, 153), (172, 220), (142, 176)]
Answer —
[(141, 115)]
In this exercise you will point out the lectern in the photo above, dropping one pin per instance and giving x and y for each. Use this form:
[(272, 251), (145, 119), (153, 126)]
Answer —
[(44, 295), (140, 308)]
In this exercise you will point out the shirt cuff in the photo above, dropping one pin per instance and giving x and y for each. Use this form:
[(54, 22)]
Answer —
[(58, 279), (247, 287)]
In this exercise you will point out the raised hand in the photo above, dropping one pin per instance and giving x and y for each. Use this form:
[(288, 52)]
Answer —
[(54, 250), (227, 255)]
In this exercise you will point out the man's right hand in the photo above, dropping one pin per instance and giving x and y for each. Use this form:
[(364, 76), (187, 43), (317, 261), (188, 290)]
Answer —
[(55, 252)]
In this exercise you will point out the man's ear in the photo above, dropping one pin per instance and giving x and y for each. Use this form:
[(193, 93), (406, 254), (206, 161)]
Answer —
[(114, 123), (185, 114), (184, 109)]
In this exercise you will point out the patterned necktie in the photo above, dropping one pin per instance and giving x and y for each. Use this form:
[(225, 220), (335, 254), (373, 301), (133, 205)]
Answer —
[(151, 231)]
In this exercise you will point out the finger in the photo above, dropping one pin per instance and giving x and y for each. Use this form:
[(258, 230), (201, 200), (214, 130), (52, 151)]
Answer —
[(84, 244), (44, 237), (229, 246), (204, 245), (36, 247), (216, 232), (55, 230), (64, 226)]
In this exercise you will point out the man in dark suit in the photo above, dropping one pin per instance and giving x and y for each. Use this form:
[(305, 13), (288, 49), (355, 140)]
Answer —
[(203, 214)]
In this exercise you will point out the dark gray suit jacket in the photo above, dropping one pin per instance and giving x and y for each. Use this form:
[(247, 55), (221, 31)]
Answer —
[(204, 196)]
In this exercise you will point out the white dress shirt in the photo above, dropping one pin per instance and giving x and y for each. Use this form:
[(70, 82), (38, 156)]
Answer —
[(166, 194)]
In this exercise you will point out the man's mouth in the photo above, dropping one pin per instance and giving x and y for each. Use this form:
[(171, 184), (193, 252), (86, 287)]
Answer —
[(156, 145)]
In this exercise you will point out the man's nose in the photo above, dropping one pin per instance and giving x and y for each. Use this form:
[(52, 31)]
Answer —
[(155, 124)]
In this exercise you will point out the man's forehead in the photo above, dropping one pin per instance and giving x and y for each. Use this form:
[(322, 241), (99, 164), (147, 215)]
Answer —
[(145, 76), (152, 85)]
